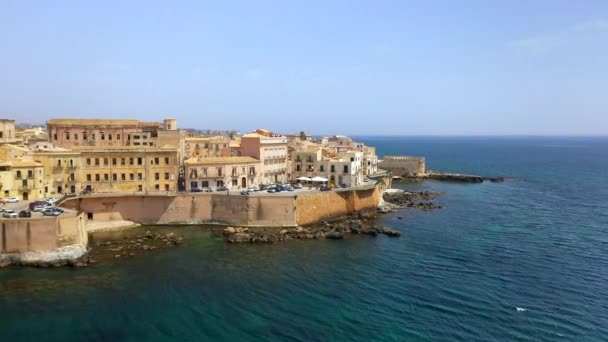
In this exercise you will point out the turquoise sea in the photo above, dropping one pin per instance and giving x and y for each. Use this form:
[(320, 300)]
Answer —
[(538, 243)]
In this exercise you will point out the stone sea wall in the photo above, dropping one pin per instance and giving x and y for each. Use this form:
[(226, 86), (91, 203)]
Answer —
[(203, 208)]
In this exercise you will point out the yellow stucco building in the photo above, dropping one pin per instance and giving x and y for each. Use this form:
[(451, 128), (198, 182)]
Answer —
[(22, 179)]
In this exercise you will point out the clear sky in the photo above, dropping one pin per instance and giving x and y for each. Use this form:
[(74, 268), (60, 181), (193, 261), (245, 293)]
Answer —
[(349, 67)]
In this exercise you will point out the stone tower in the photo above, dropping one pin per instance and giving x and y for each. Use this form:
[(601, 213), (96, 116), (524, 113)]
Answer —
[(170, 124)]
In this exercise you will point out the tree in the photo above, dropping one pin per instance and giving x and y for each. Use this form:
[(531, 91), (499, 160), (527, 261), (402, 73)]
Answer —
[(231, 135), (302, 135)]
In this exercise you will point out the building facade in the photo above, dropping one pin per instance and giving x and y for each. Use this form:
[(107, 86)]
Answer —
[(230, 172), (271, 149), (344, 168), (62, 171), (22, 179), (207, 147), (144, 169)]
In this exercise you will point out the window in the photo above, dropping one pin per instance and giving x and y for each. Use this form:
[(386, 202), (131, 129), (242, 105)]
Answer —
[(58, 162), (122, 161), (130, 161), (333, 168), (75, 136), (156, 176), (106, 177), (234, 171), (19, 174), (140, 176), (30, 173), (205, 171), (105, 161), (117, 136), (139, 161), (24, 182), (309, 158), (157, 186), (114, 177), (113, 161), (205, 184), (321, 168), (156, 161), (97, 177), (345, 168), (110, 136), (84, 135), (103, 136), (140, 187), (252, 171), (166, 175), (128, 136), (298, 167), (96, 161), (352, 159), (88, 161), (235, 182), (72, 177), (219, 171), (123, 176), (88, 177), (298, 158), (93, 136), (55, 136), (166, 161), (67, 135), (71, 162), (132, 176), (166, 187)]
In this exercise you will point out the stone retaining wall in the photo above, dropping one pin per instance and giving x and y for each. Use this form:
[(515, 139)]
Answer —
[(203, 208), (41, 234)]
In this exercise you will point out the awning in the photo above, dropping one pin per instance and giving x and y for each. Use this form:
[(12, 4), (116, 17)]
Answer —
[(319, 179), (304, 179)]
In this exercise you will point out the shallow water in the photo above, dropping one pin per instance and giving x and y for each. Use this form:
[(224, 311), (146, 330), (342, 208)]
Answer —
[(538, 243)]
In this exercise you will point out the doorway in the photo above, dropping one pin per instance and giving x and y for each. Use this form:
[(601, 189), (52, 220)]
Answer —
[(26, 196)]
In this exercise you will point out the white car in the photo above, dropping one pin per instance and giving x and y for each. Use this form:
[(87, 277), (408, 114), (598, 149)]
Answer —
[(40, 208), (9, 214), (11, 200), (52, 200)]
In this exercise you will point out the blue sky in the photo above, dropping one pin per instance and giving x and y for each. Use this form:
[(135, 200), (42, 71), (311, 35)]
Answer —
[(350, 67)]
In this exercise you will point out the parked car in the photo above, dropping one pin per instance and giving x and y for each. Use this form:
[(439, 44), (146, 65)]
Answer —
[(35, 204), (1, 210), (263, 187), (290, 188), (196, 190), (297, 186), (245, 192), (343, 186), (324, 188), (57, 209), (52, 200), (51, 212), (254, 188), (8, 213), (208, 190), (271, 190), (25, 213), (12, 200), (222, 188), (40, 208)]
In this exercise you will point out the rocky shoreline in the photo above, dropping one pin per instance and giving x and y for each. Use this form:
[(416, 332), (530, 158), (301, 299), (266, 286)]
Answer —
[(325, 230), (403, 199), (453, 177), (72, 255), (130, 246)]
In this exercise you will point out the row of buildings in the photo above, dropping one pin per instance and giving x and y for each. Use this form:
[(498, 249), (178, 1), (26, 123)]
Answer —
[(103, 156)]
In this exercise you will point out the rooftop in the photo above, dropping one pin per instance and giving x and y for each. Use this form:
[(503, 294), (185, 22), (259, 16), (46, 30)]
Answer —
[(93, 122), (222, 160)]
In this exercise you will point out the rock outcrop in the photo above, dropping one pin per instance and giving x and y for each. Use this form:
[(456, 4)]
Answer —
[(72, 255), (325, 230), (130, 246), (403, 199)]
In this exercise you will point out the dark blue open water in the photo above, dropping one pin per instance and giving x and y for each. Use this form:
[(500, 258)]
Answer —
[(458, 274)]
